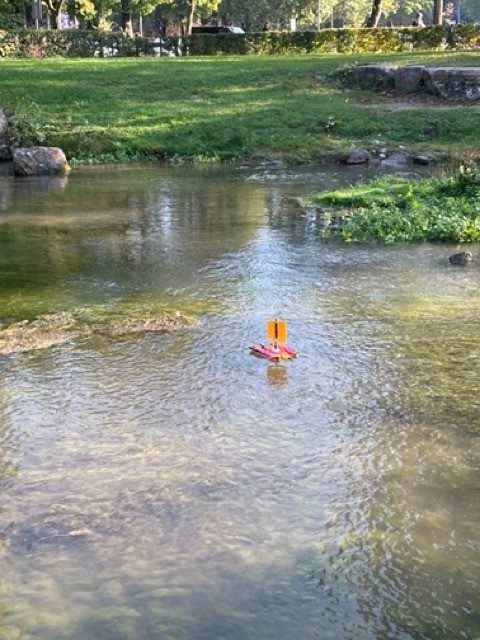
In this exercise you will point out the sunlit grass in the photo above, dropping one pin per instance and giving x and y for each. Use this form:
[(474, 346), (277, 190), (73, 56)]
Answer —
[(223, 108)]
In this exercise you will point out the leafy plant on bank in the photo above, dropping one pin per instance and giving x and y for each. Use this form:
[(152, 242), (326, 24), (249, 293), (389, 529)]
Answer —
[(389, 210), (25, 126)]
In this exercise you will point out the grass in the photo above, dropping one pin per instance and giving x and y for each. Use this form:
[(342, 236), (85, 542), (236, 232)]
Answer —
[(393, 209), (222, 108)]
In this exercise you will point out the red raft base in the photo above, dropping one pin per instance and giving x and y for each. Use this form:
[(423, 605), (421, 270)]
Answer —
[(281, 352)]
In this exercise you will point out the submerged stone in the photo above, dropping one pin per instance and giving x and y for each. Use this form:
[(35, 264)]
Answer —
[(395, 160), (462, 259), (55, 329)]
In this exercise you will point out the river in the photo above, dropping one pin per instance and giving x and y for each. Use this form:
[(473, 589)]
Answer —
[(173, 486)]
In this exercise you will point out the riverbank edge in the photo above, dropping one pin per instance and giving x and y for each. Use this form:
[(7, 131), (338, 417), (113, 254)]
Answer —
[(334, 158)]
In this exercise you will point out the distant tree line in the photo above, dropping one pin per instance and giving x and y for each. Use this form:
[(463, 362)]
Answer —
[(154, 17)]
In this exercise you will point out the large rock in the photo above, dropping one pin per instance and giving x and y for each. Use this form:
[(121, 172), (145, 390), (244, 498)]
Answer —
[(358, 156), (459, 83), (408, 79), (375, 75), (39, 161)]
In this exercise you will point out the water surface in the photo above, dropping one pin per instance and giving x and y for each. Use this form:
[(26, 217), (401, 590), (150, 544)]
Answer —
[(172, 486)]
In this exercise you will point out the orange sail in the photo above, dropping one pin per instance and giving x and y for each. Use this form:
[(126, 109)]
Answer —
[(277, 330)]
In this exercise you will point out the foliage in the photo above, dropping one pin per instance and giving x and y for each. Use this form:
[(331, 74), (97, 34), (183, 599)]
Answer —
[(397, 210), (10, 18), (25, 126), (337, 41), (88, 43), (73, 43)]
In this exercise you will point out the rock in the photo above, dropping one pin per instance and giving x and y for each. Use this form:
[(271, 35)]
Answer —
[(463, 258), (423, 160), (39, 161), (395, 160), (408, 79), (358, 156), (460, 83), (5, 150), (3, 122), (375, 75)]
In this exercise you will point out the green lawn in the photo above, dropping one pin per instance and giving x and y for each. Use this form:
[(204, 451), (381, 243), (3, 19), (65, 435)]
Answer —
[(224, 108)]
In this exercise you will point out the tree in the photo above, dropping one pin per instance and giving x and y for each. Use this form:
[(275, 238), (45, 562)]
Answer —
[(437, 12), (12, 14), (55, 7), (375, 14)]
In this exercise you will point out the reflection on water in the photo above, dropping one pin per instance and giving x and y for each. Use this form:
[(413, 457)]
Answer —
[(277, 375), (173, 486)]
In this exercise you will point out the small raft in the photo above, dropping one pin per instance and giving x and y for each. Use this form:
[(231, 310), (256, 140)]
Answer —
[(272, 352)]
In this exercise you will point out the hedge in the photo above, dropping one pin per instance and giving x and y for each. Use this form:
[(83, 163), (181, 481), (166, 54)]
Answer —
[(79, 43), (76, 43), (338, 41)]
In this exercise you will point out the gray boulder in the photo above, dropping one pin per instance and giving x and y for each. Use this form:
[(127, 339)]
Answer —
[(408, 79), (39, 161), (395, 160), (358, 156), (462, 259), (454, 83), (375, 75)]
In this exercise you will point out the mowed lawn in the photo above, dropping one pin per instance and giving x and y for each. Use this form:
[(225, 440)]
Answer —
[(226, 107)]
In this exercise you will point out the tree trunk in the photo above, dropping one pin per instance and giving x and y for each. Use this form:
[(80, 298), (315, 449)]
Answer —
[(438, 12), (127, 18), (57, 18), (24, 14), (191, 13), (54, 15), (374, 18)]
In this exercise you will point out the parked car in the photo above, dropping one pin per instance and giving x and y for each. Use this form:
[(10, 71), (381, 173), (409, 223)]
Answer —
[(213, 29)]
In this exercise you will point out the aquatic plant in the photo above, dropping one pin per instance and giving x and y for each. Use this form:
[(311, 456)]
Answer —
[(394, 209)]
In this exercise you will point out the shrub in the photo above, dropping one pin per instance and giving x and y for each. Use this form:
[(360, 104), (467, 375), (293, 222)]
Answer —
[(433, 38), (82, 43)]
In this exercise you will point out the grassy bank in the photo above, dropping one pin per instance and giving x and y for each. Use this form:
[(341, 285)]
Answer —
[(224, 108), (393, 209)]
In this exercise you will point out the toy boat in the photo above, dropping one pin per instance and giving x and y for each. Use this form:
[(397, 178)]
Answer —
[(271, 352), (277, 349)]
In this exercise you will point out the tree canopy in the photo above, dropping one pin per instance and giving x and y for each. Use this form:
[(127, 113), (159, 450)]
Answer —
[(250, 14)]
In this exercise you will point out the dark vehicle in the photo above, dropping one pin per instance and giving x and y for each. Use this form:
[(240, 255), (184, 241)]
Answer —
[(212, 29)]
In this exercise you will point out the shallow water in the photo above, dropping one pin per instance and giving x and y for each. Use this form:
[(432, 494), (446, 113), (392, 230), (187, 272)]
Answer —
[(175, 487)]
